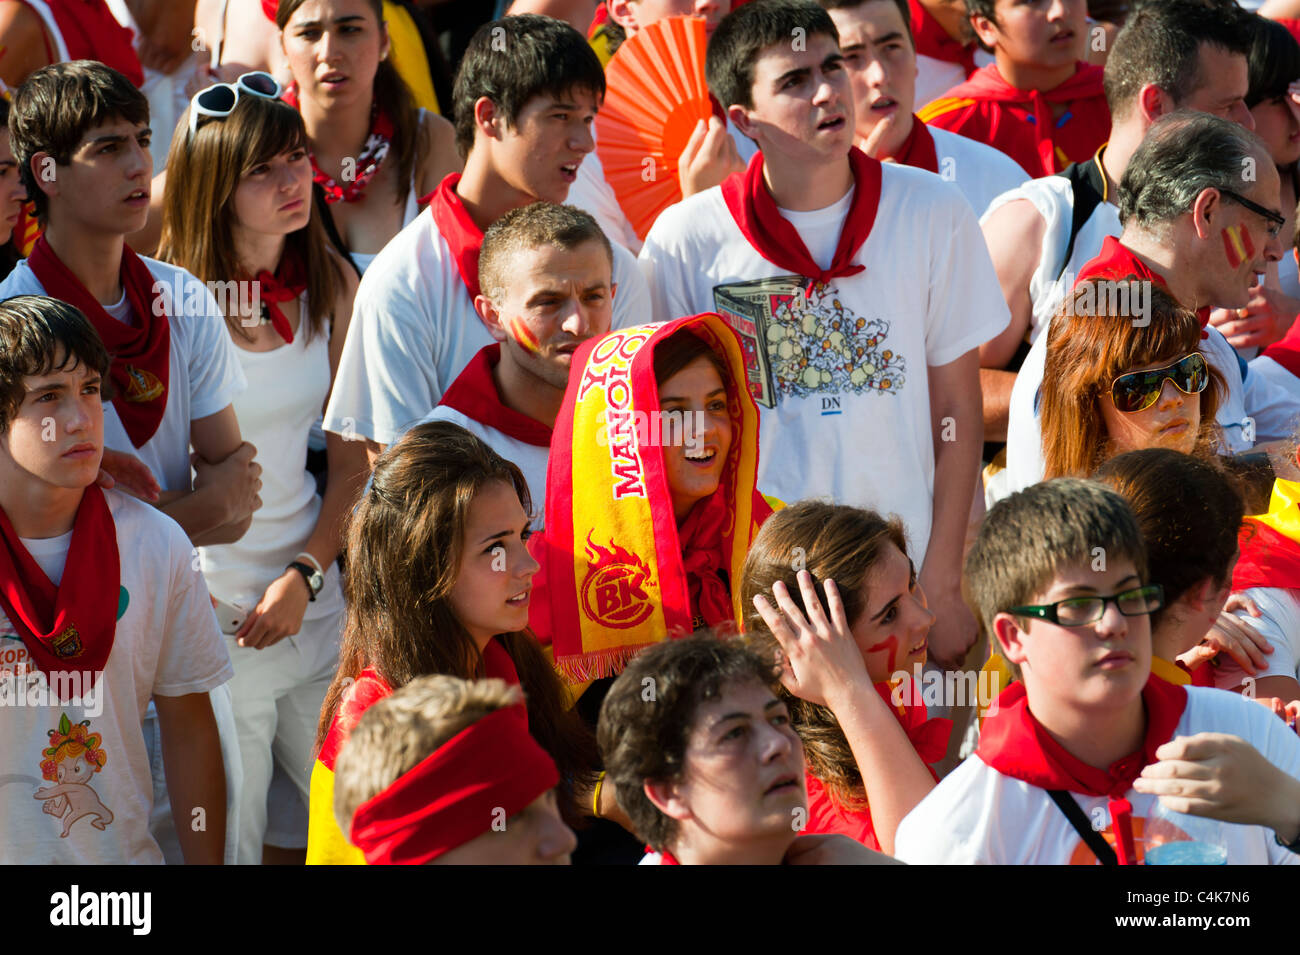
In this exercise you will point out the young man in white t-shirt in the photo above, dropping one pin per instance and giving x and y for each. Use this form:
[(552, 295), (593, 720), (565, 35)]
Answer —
[(880, 56), (80, 133), (1058, 577), (545, 271), (101, 611), (862, 341), (524, 124)]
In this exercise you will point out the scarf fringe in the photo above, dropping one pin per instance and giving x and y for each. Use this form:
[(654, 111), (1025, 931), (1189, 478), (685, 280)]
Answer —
[(585, 667)]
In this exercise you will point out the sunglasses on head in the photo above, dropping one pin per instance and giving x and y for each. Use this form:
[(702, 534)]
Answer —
[(1139, 390), (219, 99)]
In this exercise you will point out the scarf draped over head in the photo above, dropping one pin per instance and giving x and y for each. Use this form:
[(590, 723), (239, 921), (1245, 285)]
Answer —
[(619, 573)]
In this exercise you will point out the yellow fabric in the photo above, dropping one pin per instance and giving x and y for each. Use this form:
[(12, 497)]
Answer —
[(409, 57), (998, 669), (600, 43), (940, 106), (1170, 672), (1283, 515), (326, 844)]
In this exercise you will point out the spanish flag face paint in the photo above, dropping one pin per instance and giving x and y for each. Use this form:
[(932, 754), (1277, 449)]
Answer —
[(1237, 245), (521, 333)]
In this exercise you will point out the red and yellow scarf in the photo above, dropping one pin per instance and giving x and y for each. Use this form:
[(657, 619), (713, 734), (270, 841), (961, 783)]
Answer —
[(619, 574), (1270, 543)]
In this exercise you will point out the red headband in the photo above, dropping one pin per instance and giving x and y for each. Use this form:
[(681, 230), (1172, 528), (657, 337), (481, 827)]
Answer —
[(452, 795)]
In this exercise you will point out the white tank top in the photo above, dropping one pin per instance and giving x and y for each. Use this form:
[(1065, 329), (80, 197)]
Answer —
[(412, 209), (286, 389)]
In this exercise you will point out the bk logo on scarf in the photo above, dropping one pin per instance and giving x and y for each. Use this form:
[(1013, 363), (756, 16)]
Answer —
[(614, 591)]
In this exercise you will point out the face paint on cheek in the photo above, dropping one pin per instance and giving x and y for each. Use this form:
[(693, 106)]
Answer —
[(524, 336), (890, 643), (1237, 245)]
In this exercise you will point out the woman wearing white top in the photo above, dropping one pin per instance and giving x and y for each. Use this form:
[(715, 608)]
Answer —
[(238, 215), (373, 153)]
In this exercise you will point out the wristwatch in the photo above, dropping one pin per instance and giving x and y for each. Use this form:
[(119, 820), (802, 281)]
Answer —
[(310, 574)]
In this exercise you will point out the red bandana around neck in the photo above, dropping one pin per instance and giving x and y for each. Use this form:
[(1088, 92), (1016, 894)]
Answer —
[(701, 536), (71, 626), (373, 153), (988, 84), (932, 40), (141, 353), (286, 284), (474, 394), (462, 235), (453, 795), (775, 239), (918, 149), (1117, 261), (1015, 744)]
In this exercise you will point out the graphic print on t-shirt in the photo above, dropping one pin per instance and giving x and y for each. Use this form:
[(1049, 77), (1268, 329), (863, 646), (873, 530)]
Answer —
[(799, 343), (74, 755)]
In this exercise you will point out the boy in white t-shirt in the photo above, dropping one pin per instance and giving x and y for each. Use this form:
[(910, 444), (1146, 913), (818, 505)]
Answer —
[(1058, 576), (80, 133), (100, 611), (545, 271), (523, 122), (861, 290)]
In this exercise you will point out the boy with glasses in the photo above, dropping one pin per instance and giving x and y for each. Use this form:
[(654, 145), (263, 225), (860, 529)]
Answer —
[(1058, 577)]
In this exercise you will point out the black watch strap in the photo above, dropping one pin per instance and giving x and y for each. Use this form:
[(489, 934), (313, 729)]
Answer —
[(308, 574)]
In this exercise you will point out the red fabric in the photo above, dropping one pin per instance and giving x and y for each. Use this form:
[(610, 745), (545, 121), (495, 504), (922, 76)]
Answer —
[(1015, 744), (701, 537), (932, 40), (462, 235), (598, 19), (775, 239), (1268, 558), (373, 153), (73, 625), (918, 149), (1203, 675), (1020, 123), (1116, 261), (91, 32), (1293, 26), (269, 8), (929, 737), (1286, 352), (474, 394), (665, 857), (288, 282), (141, 353), (455, 793)]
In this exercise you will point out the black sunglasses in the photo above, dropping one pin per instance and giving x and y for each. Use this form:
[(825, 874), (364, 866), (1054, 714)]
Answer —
[(1139, 390), (1081, 611), (1269, 215)]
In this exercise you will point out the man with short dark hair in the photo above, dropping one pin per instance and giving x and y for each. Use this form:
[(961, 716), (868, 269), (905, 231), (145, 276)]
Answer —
[(1038, 102), (1177, 54), (526, 93)]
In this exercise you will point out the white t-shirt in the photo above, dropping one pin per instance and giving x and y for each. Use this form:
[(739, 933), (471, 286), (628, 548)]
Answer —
[(842, 378), (1280, 623), (166, 644), (1257, 404), (414, 329), (203, 375), (981, 172), (976, 815)]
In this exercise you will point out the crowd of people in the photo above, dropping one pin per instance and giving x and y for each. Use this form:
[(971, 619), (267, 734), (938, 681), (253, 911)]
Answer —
[(922, 485)]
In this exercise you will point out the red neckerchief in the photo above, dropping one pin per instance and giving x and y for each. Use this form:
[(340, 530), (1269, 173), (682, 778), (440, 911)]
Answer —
[(72, 625), (462, 235), (373, 153), (932, 40), (1267, 558), (91, 32), (1014, 743), (474, 394), (776, 240), (988, 84), (918, 149), (285, 285), (665, 857), (1116, 261), (141, 354), (700, 537)]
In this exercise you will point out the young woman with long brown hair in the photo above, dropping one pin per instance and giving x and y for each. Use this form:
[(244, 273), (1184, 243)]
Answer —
[(373, 152), (1115, 381), (238, 215), (439, 581)]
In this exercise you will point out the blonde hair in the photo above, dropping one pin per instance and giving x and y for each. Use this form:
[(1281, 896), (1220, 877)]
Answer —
[(399, 732)]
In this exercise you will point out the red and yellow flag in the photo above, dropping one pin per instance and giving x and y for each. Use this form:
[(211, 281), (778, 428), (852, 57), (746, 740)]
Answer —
[(1270, 543)]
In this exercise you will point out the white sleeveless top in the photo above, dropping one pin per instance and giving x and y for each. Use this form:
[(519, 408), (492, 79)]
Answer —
[(286, 388), (412, 209)]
